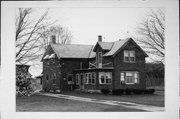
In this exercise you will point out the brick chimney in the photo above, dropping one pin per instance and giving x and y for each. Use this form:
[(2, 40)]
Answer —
[(99, 38), (53, 39)]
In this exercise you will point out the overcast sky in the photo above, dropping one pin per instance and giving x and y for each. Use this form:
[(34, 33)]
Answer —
[(86, 24)]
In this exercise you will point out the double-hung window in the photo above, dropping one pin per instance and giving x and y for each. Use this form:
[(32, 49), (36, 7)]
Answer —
[(105, 77), (129, 56), (77, 78), (90, 78), (129, 77), (93, 78), (99, 59)]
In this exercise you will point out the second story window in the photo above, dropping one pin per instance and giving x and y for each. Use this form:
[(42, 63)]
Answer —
[(99, 59), (129, 56)]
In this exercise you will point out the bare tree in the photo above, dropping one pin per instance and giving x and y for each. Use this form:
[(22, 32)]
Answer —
[(63, 35), (27, 35), (151, 33), (32, 34)]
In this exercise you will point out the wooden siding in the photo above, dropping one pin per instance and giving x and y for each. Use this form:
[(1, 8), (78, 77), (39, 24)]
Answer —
[(120, 65)]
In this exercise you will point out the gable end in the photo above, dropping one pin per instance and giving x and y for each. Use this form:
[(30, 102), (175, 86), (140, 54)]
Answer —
[(125, 44)]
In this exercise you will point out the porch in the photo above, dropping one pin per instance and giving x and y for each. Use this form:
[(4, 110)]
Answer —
[(93, 79)]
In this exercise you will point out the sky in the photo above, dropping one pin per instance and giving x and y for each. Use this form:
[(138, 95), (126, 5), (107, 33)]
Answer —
[(86, 24)]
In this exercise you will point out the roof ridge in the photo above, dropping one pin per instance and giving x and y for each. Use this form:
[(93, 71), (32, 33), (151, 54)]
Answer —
[(90, 51), (73, 44), (112, 46)]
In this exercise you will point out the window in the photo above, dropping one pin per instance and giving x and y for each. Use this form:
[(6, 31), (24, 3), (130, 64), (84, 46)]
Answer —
[(86, 78), (108, 77), (126, 56), (47, 78), (53, 78), (129, 56), (93, 78), (105, 77), (90, 78), (122, 76), (129, 77), (70, 78), (77, 78), (81, 65), (99, 59)]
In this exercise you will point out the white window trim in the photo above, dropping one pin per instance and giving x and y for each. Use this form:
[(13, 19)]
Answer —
[(99, 64), (87, 79), (128, 51), (94, 78), (105, 77), (126, 79)]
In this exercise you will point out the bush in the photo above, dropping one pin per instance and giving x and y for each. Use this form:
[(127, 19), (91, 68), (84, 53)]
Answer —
[(105, 91), (138, 91), (118, 91), (149, 91), (23, 85), (128, 91)]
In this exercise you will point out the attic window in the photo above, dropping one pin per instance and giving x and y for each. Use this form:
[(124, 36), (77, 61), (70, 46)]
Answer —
[(129, 56)]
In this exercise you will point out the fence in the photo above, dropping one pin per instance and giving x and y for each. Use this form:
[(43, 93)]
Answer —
[(154, 81)]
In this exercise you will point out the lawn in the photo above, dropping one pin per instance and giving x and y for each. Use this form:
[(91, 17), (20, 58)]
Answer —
[(40, 103), (156, 99)]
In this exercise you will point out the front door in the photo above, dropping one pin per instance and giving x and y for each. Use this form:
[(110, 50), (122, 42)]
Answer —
[(81, 81)]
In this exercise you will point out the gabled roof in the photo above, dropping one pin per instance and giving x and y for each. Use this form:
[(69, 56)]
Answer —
[(119, 45), (116, 46), (87, 51), (72, 50), (104, 45)]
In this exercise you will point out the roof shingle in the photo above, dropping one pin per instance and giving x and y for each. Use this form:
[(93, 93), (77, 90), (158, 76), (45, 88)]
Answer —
[(86, 51), (71, 50)]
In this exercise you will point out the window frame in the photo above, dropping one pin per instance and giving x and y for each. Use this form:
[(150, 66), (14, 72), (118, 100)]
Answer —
[(77, 78), (70, 82), (89, 78), (105, 79), (93, 78), (129, 56), (135, 79), (99, 60)]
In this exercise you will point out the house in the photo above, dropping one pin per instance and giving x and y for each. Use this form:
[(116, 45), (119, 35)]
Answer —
[(36, 82), (107, 65)]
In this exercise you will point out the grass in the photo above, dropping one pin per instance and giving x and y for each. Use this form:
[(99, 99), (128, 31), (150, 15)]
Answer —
[(39, 103), (156, 99)]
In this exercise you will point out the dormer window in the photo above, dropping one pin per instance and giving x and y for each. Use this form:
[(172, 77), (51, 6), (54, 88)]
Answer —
[(129, 56)]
